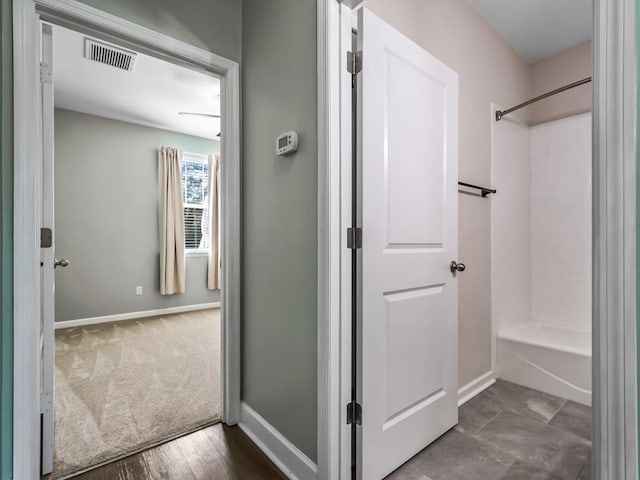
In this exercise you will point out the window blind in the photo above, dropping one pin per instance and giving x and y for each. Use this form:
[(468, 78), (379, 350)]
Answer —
[(195, 174)]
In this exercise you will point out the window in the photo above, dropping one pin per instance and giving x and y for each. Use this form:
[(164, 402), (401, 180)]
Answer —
[(195, 183)]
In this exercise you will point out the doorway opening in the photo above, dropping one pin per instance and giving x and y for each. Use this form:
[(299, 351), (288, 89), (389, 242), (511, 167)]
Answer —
[(132, 320), (443, 386)]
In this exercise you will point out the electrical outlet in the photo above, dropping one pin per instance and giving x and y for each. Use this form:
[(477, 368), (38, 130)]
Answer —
[(139, 290)]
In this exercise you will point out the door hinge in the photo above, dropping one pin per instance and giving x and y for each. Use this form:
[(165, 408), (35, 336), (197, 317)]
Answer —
[(354, 413), (354, 238), (45, 73), (354, 62), (46, 238)]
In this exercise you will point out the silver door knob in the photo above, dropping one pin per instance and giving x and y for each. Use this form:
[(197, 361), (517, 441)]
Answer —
[(457, 267), (60, 263)]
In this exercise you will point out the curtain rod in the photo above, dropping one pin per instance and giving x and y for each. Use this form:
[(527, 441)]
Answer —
[(502, 113)]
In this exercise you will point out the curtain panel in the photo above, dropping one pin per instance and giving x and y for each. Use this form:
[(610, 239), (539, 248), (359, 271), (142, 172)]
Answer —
[(171, 208)]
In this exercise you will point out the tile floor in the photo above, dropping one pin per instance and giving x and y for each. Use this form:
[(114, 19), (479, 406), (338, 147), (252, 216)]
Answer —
[(509, 432)]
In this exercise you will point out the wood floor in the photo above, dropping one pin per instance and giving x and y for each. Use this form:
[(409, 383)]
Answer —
[(215, 453)]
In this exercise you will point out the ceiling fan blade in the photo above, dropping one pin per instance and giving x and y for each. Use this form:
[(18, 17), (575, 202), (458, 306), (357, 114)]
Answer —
[(210, 115)]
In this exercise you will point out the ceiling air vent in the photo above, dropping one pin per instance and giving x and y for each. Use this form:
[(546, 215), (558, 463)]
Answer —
[(109, 55)]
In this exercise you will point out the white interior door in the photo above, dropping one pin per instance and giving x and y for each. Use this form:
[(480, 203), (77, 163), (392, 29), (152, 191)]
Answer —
[(48, 252), (408, 155)]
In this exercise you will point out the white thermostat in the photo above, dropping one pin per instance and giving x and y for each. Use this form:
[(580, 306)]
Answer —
[(287, 143)]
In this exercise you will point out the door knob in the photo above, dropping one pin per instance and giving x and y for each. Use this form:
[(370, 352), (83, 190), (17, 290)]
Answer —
[(60, 263), (457, 267)]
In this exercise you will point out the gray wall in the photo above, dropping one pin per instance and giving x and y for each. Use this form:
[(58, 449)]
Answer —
[(279, 217), (210, 24), (6, 243), (106, 223)]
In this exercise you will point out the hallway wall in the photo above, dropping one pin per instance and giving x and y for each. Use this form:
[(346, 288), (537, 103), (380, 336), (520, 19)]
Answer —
[(279, 370), (213, 25)]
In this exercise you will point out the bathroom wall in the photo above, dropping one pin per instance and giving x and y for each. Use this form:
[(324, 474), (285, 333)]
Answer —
[(556, 71), (561, 222)]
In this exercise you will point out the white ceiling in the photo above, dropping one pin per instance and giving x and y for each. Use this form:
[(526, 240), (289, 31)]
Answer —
[(537, 29), (151, 94)]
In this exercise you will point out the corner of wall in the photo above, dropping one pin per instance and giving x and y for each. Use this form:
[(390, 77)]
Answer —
[(284, 454), (6, 243)]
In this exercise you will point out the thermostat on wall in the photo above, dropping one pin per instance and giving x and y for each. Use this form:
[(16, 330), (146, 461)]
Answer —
[(287, 143)]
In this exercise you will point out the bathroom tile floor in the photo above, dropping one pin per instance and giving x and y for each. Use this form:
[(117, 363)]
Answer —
[(509, 432)]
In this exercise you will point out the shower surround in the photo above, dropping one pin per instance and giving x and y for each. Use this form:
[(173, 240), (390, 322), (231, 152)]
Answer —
[(541, 255)]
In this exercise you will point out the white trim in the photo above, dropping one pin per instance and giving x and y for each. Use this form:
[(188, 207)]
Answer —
[(26, 254), (328, 260), (615, 357), (74, 14), (79, 14), (195, 252), (81, 322), (231, 245), (475, 387), (195, 157), (48, 270), (284, 454), (346, 194)]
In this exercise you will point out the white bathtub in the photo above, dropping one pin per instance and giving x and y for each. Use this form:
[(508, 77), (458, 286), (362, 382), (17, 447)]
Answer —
[(552, 359)]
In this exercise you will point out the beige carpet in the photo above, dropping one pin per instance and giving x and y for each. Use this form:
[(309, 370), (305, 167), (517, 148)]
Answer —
[(124, 386)]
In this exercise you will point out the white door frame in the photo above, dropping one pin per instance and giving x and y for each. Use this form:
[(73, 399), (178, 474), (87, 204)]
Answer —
[(334, 259), (27, 158), (615, 372), (615, 386)]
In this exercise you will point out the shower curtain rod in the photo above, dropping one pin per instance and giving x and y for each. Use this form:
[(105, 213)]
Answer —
[(502, 113)]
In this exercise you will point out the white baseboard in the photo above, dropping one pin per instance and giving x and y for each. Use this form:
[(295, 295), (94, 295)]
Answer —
[(130, 316), (286, 456), (475, 386)]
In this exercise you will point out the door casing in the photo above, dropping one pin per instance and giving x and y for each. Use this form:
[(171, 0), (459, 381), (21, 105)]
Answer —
[(615, 236), (28, 194)]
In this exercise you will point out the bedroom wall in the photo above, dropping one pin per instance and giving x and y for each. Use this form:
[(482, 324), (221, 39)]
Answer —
[(456, 34), (106, 217), (279, 362)]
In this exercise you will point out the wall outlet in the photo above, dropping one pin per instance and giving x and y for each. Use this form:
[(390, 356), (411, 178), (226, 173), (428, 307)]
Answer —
[(139, 290)]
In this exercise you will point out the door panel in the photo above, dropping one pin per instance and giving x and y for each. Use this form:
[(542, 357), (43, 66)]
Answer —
[(407, 137), (48, 254)]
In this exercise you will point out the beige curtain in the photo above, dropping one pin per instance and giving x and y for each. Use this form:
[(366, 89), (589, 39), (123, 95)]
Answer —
[(213, 227), (172, 271)]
